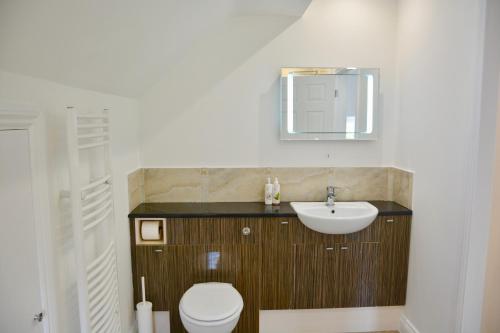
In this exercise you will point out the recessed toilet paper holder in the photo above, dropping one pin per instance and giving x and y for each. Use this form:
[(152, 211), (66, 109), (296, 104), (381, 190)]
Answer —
[(150, 226)]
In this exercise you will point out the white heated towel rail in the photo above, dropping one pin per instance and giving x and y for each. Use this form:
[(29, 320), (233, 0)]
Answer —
[(93, 221)]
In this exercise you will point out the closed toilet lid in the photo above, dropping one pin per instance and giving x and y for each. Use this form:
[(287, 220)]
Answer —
[(211, 301)]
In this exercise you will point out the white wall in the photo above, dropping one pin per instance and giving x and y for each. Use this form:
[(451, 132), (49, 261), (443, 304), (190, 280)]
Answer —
[(491, 93), (118, 47), (51, 99), (221, 107), (483, 200), (439, 54), (490, 318)]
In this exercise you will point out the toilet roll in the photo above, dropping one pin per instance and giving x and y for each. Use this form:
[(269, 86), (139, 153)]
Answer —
[(150, 230), (145, 317)]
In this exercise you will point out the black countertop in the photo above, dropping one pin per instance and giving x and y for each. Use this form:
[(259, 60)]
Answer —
[(240, 209)]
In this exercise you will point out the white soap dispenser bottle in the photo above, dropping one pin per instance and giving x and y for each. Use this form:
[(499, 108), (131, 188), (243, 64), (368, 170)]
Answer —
[(276, 192), (268, 192)]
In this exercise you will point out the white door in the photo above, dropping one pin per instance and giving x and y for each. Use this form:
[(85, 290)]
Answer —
[(313, 99), (20, 291), (325, 103)]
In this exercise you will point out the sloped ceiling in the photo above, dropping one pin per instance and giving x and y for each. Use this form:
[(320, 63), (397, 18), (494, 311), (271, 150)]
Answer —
[(121, 47)]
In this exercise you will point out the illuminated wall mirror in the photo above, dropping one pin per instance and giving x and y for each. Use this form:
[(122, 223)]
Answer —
[(329, 103)]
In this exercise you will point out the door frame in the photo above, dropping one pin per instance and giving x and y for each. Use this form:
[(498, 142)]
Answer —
[(27, 118)]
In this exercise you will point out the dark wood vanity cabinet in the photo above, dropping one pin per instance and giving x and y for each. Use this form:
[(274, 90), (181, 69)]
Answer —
[(279, 264), (303, 269), (278, 269), (342, 275), (202, 250), (349, 275), (394, 249)]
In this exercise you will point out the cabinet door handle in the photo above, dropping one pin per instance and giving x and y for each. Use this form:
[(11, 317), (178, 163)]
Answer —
[(389, 221), (158, 250), (329, 248), (246, 231), (343, 248), (284, 222)]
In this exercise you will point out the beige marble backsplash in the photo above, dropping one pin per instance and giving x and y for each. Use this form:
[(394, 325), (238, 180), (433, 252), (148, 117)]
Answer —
[(247, 184), (400, 186), (136, 193)]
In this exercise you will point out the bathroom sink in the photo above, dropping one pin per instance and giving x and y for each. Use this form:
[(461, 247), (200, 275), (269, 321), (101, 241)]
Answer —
[(341, 218)]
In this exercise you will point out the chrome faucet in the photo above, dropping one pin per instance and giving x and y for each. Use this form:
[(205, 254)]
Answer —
[(330, 195)]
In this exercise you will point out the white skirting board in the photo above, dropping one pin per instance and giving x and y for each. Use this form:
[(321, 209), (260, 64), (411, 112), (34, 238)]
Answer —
[(330, 320), (406, 326), (317, 320), (161, 322)]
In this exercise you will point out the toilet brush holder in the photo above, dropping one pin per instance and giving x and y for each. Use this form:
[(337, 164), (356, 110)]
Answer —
[(145, 317), (144, 312)]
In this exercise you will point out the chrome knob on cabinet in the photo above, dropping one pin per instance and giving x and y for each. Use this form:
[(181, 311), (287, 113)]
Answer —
[(245, 231)]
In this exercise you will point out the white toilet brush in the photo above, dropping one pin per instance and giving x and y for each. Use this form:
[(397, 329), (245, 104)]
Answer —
[(144, 312)]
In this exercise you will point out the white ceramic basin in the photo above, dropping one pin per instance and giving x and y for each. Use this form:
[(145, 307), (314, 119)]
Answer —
[(341, 218)]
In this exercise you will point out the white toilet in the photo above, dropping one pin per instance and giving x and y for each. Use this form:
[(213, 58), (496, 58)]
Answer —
[(211, 307)]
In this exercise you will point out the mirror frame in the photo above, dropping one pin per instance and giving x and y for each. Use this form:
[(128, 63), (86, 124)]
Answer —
[(345, 136)]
